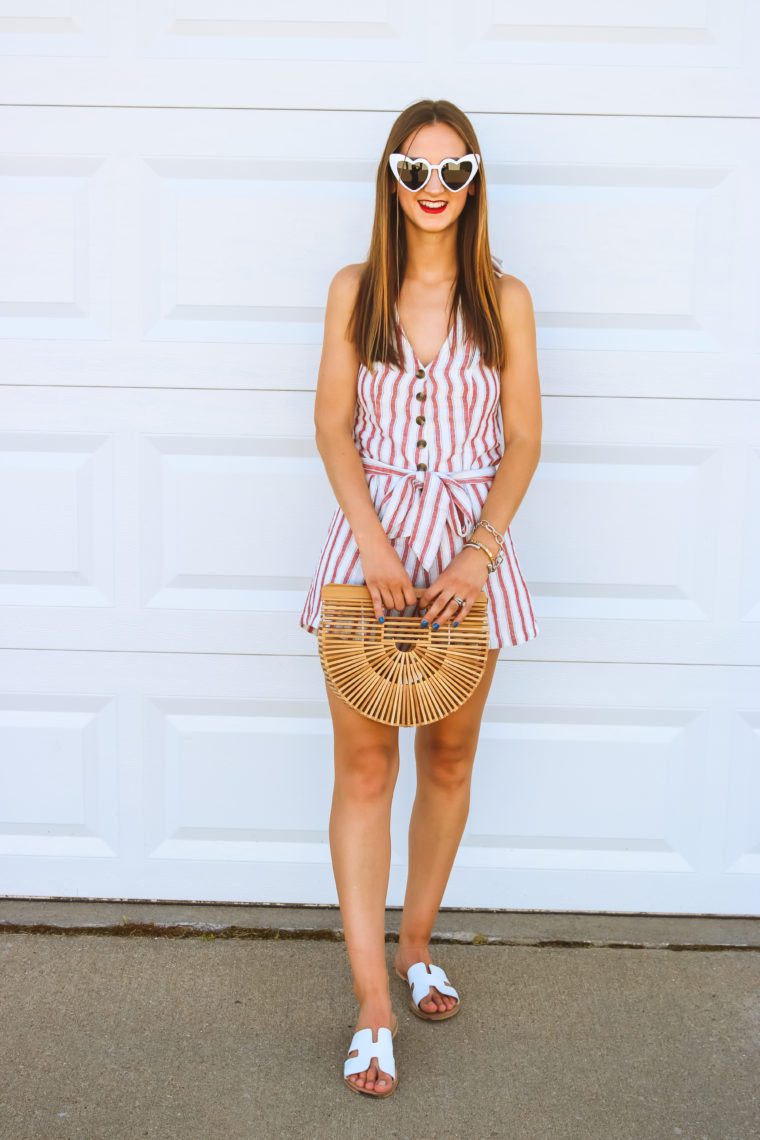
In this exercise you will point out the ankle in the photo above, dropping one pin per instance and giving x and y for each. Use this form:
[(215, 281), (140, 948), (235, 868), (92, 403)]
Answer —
[(374, 1014), (373, 998), (409, 946)]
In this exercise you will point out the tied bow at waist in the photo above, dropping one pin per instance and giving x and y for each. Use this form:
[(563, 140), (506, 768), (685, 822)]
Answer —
[(419, 504)]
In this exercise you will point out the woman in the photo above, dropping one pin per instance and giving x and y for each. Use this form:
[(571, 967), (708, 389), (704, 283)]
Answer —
[(422, 457)]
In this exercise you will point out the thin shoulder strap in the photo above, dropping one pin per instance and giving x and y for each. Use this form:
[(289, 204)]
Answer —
[(498, 265)]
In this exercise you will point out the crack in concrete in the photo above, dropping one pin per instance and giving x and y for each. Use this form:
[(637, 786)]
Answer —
[(203, 932)]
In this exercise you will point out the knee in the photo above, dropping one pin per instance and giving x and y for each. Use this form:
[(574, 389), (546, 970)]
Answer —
[(447, 764), (367, 773)]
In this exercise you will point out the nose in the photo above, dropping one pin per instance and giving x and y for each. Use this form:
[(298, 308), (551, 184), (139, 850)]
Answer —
[(435, 186)]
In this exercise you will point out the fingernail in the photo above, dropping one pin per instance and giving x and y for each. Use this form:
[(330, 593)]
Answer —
[(435, 625), (423, 623), (456, 623), (381, 618)]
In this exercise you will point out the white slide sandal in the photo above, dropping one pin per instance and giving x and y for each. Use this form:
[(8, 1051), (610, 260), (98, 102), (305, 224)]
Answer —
[(421, 977), (381, 1050)]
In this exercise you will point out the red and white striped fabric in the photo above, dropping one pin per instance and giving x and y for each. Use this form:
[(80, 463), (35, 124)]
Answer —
[(447, 418)]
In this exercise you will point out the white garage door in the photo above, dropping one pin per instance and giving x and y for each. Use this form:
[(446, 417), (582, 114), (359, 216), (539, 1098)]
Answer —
[(179, 183)]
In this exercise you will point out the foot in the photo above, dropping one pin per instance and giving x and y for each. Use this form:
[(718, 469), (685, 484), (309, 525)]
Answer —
[(372, 1015), (435, 1002)]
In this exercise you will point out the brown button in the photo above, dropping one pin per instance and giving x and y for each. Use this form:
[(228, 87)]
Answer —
[(422, 466), (420, 420), (420, 373), (422, 443), (420, 395)]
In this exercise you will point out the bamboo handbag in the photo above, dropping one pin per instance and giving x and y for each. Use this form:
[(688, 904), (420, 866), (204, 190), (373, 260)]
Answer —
[(396, 671)]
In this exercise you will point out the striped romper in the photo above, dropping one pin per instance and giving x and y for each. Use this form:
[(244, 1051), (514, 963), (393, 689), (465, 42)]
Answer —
[(430, 439)]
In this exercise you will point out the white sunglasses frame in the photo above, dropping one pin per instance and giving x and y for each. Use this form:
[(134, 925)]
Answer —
[(395, 159)]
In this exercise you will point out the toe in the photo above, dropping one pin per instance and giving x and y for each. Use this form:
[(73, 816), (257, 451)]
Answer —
[(428, 1003), (382, 1080), (356, 1078), (439, 1002)]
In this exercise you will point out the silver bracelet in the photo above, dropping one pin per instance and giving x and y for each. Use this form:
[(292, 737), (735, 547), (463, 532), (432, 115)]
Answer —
[(499, 537), (492, 563), (496, 559)]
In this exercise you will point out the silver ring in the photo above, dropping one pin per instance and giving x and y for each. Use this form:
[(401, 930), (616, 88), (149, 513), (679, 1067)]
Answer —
[(461, 601)]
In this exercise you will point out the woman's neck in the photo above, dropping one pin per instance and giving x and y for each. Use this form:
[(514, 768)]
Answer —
[(430, 258)]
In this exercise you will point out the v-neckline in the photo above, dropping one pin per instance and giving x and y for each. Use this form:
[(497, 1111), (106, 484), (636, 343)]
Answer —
[(418, 364)]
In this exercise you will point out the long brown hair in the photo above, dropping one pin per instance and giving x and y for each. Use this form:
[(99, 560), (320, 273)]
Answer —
[(373, 327)]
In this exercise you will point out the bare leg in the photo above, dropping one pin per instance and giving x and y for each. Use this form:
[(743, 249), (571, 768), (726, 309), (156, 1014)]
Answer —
[(366, 768), (445, 753)]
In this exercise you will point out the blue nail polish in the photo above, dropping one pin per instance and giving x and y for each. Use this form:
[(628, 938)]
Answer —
[(456, 623), (435, 625), (423, 623), (381, 618)]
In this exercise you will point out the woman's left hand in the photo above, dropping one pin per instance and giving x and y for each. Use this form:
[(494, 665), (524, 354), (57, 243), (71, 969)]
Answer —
[(464, 577)]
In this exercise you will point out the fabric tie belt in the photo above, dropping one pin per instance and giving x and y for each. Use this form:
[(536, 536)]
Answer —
[(419, 504)]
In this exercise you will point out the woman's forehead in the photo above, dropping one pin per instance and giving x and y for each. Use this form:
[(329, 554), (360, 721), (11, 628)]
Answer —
[(434, 141)]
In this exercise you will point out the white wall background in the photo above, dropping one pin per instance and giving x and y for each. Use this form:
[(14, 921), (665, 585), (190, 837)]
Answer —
[(179, 182)]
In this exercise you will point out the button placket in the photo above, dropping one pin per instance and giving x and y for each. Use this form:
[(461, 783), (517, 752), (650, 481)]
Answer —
[(420, 419)]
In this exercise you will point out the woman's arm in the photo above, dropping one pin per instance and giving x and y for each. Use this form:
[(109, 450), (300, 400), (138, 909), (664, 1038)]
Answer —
[(335, 407), (520, 412), (466, 574), (334, 411)]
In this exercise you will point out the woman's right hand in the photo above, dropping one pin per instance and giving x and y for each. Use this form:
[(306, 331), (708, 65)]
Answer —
[(386, 578)]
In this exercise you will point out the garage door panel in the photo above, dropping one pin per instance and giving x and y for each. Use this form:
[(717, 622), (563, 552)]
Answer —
[(634, 33), (631, 249), (334, 32), (654, 276), (213, 533), (247, 248), (228, 779), (59, 769), (663, 524), (56, 538), (55, 277), (670, 57), (643, 779), (550, 794), (640, 510)]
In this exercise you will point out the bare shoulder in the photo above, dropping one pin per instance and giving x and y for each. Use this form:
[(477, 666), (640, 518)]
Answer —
[(341, 298), (515, 299), (345, 284)]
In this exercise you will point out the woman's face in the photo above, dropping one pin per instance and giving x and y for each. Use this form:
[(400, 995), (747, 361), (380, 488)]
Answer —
[(433, 208)]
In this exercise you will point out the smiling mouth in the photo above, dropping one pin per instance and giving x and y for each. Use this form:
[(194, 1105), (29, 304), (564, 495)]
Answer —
[(430, 206)]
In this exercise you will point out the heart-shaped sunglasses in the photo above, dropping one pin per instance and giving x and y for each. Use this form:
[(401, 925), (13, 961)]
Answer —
[(454, 173)]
